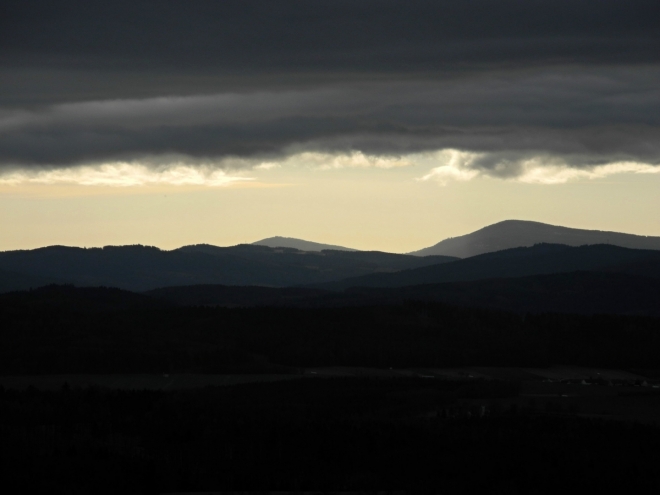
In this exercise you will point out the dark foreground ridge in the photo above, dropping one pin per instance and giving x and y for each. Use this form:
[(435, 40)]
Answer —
[(68, 330), (301, 244), (575, 292), (140, 268), (341, 434), (414, 396), (540, 259)]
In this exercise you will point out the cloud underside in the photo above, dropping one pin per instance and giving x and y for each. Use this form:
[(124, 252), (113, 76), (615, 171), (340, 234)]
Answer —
[(509, 124), (124, 175), (457, 165), (443, 166), (127, 93)]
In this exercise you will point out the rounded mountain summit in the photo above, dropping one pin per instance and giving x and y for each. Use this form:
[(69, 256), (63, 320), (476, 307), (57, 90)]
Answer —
[(291, 242), (520, 233)]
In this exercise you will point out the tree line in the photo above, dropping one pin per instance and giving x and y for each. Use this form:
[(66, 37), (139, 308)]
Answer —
[(87, 338)]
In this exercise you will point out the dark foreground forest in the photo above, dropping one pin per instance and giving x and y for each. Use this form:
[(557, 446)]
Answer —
[(318, 434), (419, 432), (68, 330)]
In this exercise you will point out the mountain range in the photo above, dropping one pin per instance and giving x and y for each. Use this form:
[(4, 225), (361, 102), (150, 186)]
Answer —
[(496, 237), (519, 233), (144, 268), (541, 259), (542, 278), (300, 244), (579, 292), (141, 268)]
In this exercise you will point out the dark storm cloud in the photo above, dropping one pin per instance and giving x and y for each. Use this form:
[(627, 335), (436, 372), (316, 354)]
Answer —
[(83, 82), (265, 35)]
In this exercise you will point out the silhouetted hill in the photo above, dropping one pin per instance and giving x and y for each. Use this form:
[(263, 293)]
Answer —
[(64, 330), (575, 292), (518, 233), (302, 245), (80, 299), (237, 296), (326, 259), (643, 268), (10, 281), (142, 268), (518, 262)]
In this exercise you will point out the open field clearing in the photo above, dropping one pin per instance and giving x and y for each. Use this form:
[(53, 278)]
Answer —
[(554, 373), (530, 377), (577, 373)]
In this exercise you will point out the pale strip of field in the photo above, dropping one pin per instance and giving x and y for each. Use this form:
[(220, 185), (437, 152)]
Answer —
[(555, 373), (358, 372), (468, 373), (453, 373), (188, 381), (575, 373)]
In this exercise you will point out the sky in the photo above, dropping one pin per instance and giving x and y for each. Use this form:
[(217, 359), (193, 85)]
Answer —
[(385, 125)]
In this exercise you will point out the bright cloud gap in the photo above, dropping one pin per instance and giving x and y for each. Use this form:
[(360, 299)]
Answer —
[(164, 171), (124, 175), (464, 166), (445, 166)]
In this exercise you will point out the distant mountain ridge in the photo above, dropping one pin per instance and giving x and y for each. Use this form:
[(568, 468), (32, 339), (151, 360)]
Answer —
[(302, 245), (12, 281), (521, 233), (578, 292), (541, 259), (140, 268)]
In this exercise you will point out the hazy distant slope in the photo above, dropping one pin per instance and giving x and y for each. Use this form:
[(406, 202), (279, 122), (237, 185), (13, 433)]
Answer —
[(80, 299), (236, 296), (300, 244), (575, 292), (518, 262), (11, 281), (142, 268), (370, 261), (519, 233)]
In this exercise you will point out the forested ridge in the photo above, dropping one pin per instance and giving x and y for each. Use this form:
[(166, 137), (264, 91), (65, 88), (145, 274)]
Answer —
[(110, 331), (313, 432), (309, 434), (145, 267)]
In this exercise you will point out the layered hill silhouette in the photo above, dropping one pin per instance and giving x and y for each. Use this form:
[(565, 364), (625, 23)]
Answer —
[(141, 268), (302, 245), (66, 330), (518, 233), (248, 296), (11, 281), (542, 278), (575, 292), (58, 297), (541, 259)]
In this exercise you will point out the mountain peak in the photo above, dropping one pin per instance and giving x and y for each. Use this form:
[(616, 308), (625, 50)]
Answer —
[(291, 242), (524, 233)]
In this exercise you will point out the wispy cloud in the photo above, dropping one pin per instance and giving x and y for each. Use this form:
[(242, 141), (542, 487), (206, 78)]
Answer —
[(455, 167), (553, 174), (335, 84), (123, 175), (582, 118), (356, 159), (463, 166)]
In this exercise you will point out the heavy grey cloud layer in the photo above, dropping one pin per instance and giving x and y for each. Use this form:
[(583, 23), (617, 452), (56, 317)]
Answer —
[(86, 82)]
